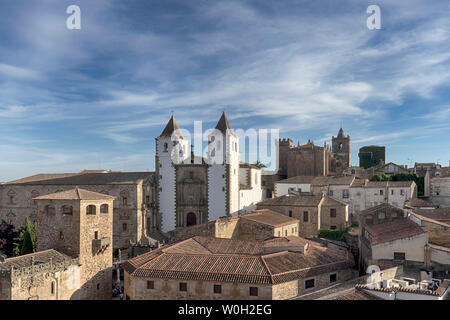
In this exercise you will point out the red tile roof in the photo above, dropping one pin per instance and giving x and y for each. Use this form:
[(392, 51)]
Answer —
[(269, 217), (230, 260), (393, 230)]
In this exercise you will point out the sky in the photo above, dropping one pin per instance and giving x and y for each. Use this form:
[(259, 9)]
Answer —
[(96, 98)]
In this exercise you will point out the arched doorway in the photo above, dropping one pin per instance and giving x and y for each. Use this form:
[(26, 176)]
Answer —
[(191, 219)]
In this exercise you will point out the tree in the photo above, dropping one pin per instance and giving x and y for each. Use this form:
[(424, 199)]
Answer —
[(26, 241), (7, 235), (380, 177), (260, 165)]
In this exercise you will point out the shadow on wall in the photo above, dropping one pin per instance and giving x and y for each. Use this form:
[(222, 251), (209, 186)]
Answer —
[(99, 287)]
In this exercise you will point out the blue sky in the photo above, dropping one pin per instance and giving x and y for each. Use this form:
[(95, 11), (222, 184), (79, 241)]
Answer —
[(97, 97)]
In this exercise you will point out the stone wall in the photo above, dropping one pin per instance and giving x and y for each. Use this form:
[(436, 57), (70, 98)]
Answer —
[(306, 229), (340, 221)]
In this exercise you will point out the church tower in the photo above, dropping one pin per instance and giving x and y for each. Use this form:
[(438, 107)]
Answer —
[(223, 173), (171, 149), (341, 150)]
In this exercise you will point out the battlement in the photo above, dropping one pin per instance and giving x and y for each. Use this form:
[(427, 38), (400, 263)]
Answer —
[(286, 142)]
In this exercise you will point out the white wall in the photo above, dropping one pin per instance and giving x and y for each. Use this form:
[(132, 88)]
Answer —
[(413, 248), (250, 197)]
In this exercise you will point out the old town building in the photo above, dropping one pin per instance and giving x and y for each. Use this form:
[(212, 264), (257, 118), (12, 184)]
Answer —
[(193, 190), (258, 225), (314, 212), (74, 251), (208, 268), (134, 207)]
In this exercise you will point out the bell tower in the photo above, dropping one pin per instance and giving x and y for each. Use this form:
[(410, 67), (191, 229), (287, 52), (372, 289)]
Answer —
[(341, 150)]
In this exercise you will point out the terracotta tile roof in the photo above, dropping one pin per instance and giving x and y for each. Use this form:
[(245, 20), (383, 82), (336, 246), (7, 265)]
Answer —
[(439, 214), (85, 179), (298, 180), (293, 200), (230, 260), (76, 194), (333, 180), (39, 258), (393, 230), (391, 184), (384, 207), (353, 294), (329, 201), (269, 217), (419, 203)]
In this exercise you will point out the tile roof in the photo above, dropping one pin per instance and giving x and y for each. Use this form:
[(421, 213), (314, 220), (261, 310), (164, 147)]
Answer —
[(419, 203), (293, 200), (231, 260), (443, 287), (76, 194), (384, 207), (352, 294), (438, 214), (329, 201), (333, 180), (85, 179), (298, 179), (269, 217), (39, 258), (393, 230), (391, 184)]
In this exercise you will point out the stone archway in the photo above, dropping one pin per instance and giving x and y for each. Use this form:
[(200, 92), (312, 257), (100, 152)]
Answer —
[(191, 219)]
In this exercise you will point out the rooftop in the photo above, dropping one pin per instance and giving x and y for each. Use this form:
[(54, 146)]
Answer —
[(84, 178), (38, 258), (76, 194), (419, 203), (393, 230), (231, 260), (298, 179), (269, 217)]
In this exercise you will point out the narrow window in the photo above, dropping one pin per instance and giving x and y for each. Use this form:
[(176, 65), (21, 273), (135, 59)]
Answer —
[(333, 277), (183, 286), (91, 209), (150, 285), (309, 284), (305, 216), (217, 288), (381, 192), (253, 291), (333, 212), (290, 213), (285, 233), (96, 235), (124, 201), (166, 147), (104, 208), (124, 227), (52, 287), (98, 286)]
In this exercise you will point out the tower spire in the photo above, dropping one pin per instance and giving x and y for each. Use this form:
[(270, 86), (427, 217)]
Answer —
[(223, 125)]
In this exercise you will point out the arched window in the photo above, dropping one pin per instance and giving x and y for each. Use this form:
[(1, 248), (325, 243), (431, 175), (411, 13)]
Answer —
[(166, 147), (191, 219), (104, 208), (67, 210), (91, 209), (341, 146), (49, 209)]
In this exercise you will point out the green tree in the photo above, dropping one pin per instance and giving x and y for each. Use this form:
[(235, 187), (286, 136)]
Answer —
[(7, 235), (26, 242), (380, 177)]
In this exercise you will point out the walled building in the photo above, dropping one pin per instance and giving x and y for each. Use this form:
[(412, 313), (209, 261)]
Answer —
[(207, 268), (312, 160), (193, 190), (314, 212), (74, 251), (135, 213), (258, 225)]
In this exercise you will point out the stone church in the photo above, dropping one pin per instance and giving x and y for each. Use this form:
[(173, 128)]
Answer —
[(193, 190)]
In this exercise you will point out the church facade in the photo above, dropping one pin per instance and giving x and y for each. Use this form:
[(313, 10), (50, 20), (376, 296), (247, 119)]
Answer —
[(193, 190)]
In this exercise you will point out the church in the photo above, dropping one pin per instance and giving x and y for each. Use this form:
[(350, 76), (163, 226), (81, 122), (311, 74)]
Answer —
[(192, 190)]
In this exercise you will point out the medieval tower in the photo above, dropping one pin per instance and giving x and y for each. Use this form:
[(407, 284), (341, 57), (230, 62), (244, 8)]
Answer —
[(223, 173), (341, 150), (171, 148)]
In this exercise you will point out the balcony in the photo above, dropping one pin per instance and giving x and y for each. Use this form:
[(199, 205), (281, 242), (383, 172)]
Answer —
[(100, 245)]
